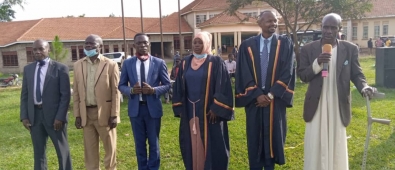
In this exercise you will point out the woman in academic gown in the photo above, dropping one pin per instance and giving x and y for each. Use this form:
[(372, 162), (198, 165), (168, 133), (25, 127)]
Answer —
[(203, 100)]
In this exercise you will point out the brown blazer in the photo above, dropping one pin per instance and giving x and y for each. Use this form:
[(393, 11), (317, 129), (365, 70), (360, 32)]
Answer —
[(106, 90), (348, 69)]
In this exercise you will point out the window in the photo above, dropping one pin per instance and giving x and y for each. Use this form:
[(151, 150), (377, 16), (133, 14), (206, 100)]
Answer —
[(29, 54), (10, 58), (176, 41), (344, 30), (212, 15), (106, 48), (74, 56), (251, 14), (200, 19), (354, 32), (365, 31), (131, 52), (385, 28), (376, 31), (115, 48), (188, 42), (123, 47), (81, 51)]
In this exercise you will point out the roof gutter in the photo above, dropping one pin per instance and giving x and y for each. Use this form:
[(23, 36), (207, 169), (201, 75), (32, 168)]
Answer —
[(171, 33), (243, 23), (70, 41)]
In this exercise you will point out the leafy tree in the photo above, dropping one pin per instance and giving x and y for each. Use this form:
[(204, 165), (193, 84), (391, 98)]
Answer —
[(72, 16), (6, 11), (58, 53), (301, 14), (112, 15)]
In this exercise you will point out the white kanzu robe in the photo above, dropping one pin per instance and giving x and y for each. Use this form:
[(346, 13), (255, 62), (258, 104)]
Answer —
[(325, 142)]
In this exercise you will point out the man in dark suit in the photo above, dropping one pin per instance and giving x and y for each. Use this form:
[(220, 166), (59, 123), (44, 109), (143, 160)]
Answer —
[(327, 110), (150, 80), (45, 98)]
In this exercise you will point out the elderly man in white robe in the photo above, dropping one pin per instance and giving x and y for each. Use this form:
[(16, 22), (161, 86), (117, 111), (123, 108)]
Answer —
[(327, 110)]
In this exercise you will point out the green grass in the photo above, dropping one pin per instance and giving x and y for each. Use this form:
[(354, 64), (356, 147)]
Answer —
[(17, 151)]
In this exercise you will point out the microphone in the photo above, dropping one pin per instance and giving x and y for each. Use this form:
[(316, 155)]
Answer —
[(327, 48)]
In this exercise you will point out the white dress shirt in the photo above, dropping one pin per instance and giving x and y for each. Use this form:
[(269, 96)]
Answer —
[(231, 66), (146, 66), (43, 73)]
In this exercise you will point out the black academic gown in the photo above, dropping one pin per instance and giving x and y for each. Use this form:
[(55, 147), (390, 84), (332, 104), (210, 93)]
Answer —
[(266, 126), (217, 96)]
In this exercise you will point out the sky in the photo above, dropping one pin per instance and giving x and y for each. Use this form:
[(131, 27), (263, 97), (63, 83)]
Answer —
[(36, 9)]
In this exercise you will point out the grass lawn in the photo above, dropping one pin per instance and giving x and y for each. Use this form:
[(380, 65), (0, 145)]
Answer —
[(17, 150)]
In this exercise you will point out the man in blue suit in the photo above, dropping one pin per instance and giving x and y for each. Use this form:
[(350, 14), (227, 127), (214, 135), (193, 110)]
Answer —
[(150, 80)]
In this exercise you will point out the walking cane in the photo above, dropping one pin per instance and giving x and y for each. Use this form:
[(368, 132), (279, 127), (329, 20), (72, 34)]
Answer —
[(370, 121)]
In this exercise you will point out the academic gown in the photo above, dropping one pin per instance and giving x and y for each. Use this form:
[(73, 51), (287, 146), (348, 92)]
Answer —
[(266, 126), (211, 149)]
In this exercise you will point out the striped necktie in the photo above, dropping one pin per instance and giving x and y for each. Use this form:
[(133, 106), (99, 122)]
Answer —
[(264, 62), (38, 81)]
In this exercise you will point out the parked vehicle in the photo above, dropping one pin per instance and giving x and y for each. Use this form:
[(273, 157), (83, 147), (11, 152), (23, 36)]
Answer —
[(391, 37), (117, 57), (10, 81)]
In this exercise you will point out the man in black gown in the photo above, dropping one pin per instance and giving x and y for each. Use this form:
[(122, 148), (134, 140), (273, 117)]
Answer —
[(264, 86)]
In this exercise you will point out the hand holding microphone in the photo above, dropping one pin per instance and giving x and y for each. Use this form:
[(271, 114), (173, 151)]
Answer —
[(325, 57)]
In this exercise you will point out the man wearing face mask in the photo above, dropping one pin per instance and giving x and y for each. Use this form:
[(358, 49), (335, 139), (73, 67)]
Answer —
[(45, 98), (96, 103)]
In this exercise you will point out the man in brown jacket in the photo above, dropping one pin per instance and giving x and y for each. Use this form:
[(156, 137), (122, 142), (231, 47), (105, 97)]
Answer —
[(96, 103), (327, 110)]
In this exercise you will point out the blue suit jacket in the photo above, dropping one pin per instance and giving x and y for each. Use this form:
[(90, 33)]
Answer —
[(158, 78)]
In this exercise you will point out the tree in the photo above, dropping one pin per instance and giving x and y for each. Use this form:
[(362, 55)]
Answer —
[(301, 14), (6, 11), (112, 15), (81, 16), (58, 53)]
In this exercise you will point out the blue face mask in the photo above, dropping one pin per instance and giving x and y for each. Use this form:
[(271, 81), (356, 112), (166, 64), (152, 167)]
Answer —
[(199, 56), (90, 53)]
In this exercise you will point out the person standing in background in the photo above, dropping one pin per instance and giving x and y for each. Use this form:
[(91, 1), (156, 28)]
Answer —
[(231, 66), (370, 46)]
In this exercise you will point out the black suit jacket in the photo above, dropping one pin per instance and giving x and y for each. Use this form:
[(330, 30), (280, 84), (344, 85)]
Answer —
[(347, 69), (55, 95)]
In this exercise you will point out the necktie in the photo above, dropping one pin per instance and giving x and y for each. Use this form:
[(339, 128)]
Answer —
[(38, 81), (142, 77), (264, 62)]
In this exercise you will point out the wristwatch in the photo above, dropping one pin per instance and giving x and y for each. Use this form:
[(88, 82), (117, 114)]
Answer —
[(270, 96)]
